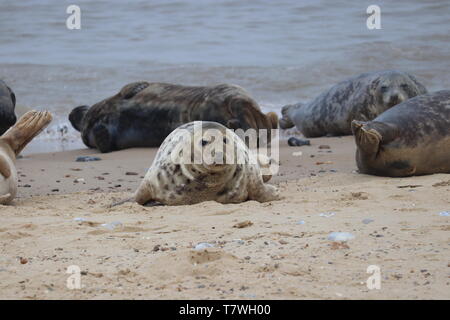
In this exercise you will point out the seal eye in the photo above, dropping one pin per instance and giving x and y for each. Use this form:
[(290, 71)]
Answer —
[(225, 140), (384, 88), (204, 142)]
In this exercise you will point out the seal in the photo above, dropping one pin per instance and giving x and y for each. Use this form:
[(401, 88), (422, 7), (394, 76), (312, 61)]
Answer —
[(7, 105), (363, 98), (143, 114), (12, 143), (233, 175), (412, 138)]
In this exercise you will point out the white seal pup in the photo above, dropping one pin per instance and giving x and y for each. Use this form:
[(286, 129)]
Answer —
[(12, 143), (205, 161)]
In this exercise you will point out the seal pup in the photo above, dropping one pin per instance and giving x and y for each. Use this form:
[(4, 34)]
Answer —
[(412, 138), (7, 105), (12, 143), (233, 175), (360, 98), (143, 114)]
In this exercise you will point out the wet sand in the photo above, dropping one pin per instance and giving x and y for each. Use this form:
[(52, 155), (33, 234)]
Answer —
[(283, 253)]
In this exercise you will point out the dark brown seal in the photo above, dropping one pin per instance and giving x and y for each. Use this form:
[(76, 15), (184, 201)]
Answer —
[(7, 105), (412, 138), (143, 114), (360, 98)]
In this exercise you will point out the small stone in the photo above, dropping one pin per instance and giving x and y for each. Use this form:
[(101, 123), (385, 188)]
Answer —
[(327, 214), (87, 158), (23, 260), (295, 142), (324, 146), (203, 245), (340, 236), (243, 224), (129, 173)]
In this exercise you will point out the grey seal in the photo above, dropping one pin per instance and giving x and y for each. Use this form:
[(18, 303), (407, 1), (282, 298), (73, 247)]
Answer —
[(412, 138), (172, 180), (143, 114), (363, 98), (12, 143)]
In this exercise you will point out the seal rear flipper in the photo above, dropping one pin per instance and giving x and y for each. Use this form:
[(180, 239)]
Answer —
[(273, 118), (102, 138), (5, 170), (26, 128), (132, 89)]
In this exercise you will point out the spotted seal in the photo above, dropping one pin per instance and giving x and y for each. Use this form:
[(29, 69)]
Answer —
[(7, 105), (360, 98), (143, 114), (175, 178), (12, 143), (412, 138)]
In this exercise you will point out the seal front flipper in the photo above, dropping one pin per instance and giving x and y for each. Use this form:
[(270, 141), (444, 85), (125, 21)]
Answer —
[(370, 136), (102, 138), (264, 193), (26, 128), (5, 170), (144, 193), (132, 89), (368, 140)]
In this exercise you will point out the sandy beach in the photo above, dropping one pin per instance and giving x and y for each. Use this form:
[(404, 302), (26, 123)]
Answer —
[(276, 250)]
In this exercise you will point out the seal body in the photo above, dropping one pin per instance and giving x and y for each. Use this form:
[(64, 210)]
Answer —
[(143, 114), (176, 178), (12, 143), (360, 98), (7, 105), (412, 138)]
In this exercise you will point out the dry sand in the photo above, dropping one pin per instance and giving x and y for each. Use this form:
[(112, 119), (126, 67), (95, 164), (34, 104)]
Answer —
[(151, 255)]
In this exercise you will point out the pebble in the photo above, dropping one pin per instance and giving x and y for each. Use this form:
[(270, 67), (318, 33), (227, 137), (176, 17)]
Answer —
[(340, 236), (203, 245), (367, 221), (295, 142), (444, 213), (113, 225), (327, 214), (79, 219), (87, 158), (301, 222)]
